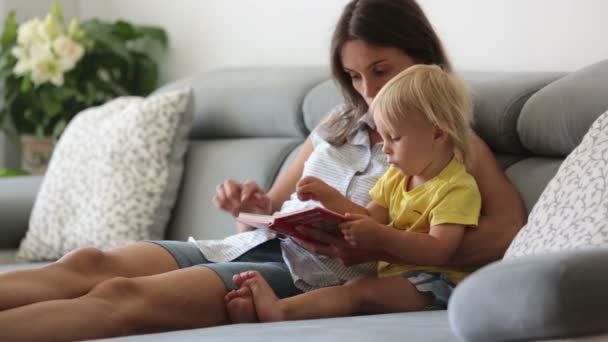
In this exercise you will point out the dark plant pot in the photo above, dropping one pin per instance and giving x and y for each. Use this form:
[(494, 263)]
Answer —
[(36, 153)]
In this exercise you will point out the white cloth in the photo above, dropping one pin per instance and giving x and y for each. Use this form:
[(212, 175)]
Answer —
[(352, 169)]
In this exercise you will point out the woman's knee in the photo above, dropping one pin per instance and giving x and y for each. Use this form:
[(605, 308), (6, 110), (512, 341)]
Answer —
[(83, 260), (117, 288)]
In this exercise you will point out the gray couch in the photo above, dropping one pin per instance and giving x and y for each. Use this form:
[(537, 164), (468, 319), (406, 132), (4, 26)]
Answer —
[(249, 123)]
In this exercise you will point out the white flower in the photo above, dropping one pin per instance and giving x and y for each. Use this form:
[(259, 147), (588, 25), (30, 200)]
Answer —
[(68, 51), (74, 31), (51, 28), (30, 32), (24, 63), (45, 66), (46, 50)]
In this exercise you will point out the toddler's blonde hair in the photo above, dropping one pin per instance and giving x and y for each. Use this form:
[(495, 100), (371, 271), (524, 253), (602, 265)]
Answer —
[(440, 96)]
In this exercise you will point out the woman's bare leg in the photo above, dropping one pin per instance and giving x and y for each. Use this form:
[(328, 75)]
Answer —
[(79, 271), (182, 299)]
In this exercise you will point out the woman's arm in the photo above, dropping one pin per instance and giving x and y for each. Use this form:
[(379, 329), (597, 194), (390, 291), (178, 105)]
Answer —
[(502, 213), (285, 185)]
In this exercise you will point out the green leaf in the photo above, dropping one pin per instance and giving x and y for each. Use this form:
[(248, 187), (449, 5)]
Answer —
[(101, 33), (50, 104), (26, 84), (40, 131), (147, 72), (59, 128), (124, 30), (56, 11), (155, 33), (9, 36), (12, 173), (28, 114)]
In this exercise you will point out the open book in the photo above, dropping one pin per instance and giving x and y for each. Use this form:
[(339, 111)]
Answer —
[(314, 218)]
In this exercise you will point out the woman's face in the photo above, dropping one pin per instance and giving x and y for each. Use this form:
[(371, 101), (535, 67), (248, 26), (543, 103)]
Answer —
[(371, 66)]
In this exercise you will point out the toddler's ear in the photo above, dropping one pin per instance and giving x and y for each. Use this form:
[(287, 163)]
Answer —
[(439, 134)]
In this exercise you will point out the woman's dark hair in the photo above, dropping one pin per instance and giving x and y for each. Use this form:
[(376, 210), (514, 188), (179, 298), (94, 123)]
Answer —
[(387, 23)]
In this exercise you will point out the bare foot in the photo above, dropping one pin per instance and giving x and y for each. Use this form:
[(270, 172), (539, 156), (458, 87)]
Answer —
[(239, 305), (266, 302)]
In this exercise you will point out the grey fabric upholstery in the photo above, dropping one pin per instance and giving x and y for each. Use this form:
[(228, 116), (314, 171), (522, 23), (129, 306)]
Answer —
[(319, 101), (210, 162), (554, 295), (555, 119), (253, 102), (430, 326), (17, 195), (497, 100), (533, 174)]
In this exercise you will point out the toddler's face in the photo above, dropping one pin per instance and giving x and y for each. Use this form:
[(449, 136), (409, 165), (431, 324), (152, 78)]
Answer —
[(408, 147)]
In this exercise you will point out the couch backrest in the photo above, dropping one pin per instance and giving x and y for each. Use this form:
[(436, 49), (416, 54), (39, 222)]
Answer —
[(249, 124)]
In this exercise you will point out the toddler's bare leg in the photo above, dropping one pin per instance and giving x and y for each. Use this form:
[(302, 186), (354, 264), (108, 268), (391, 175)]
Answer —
[(79, 271), (366, 295)]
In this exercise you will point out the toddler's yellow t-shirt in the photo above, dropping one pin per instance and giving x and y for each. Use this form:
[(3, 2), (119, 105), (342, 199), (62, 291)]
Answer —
[(450, 197)]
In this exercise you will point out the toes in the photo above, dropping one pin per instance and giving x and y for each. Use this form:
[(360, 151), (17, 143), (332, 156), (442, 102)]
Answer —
[(244, 291), (250, 274), (230, 295), (238, 279)]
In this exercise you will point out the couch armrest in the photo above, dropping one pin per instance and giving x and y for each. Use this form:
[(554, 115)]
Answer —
[(554, 295), (17, 196)]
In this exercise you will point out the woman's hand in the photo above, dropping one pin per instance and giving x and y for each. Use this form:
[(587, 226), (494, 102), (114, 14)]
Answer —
[(234, 197), (334, 246)]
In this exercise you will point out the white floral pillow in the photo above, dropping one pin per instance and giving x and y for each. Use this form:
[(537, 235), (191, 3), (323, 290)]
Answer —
[(113, 177), (572, 211)]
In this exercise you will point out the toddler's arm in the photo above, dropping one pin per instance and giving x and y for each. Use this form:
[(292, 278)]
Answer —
[(312, 188), (432, 249)]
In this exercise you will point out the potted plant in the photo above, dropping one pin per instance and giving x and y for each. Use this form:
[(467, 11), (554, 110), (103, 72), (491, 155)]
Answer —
[(50, 71)]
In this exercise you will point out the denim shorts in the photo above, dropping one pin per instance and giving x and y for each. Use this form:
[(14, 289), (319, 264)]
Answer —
[(265, 258), (437, 284)]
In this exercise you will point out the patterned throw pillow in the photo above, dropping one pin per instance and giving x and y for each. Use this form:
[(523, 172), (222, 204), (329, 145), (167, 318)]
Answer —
[(572, 211), (113, 177)]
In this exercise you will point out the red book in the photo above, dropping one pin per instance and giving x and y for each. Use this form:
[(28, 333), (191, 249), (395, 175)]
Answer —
[(314, 218)]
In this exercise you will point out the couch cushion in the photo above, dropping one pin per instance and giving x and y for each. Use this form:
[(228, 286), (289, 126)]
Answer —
[(319, 101), (17, 196), (531, 175), (572, 211), (251, 102), (532, 298), (498, 99), (210, 162), (554, 120), (113, 177)]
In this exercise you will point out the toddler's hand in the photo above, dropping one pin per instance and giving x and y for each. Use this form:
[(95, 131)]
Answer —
[(312, 188), (361, 231)]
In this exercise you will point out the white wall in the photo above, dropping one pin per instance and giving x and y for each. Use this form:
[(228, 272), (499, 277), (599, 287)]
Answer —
[(26, 9), (211, 34), (551, 35), (512, 35)]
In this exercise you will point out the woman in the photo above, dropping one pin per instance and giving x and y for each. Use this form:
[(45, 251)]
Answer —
[(148, 287)]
